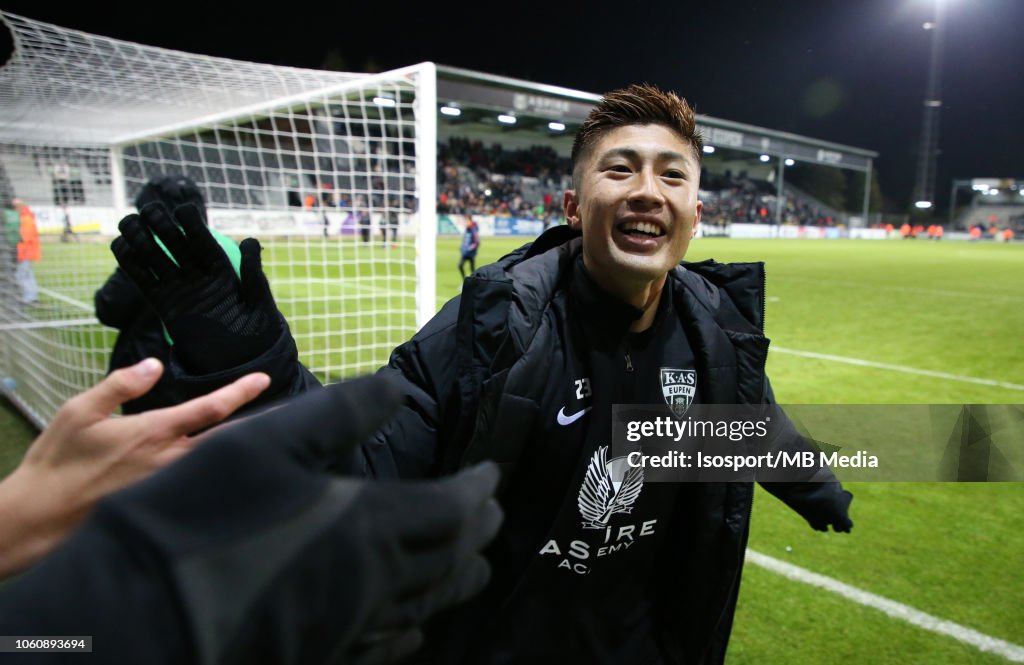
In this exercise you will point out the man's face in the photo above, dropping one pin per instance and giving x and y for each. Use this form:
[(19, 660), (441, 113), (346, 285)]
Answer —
[(636, 204)]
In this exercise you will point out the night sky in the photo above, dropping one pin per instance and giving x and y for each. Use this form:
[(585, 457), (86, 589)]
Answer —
[(848, 71)]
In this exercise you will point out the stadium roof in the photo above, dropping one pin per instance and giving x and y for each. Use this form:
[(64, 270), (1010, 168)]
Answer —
[(66, 87), (482, 96)]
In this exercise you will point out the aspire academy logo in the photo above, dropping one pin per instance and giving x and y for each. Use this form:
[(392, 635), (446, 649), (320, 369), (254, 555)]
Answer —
[(608, 488)]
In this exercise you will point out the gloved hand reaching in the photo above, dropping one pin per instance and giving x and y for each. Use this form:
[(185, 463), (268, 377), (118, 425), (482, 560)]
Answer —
[(834, 510), (216, 320), (257, 555)]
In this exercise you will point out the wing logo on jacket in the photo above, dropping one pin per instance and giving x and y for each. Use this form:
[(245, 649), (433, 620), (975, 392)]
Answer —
[(608, 488)]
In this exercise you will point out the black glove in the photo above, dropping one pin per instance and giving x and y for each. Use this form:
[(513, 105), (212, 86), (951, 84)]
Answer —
[(255, 554), (215, 320), (831, 510)]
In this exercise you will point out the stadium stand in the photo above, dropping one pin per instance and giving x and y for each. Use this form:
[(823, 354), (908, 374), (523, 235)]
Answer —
[(528, 182)]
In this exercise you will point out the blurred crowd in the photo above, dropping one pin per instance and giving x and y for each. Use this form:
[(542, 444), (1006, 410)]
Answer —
[(528, 182), (738, 199), (523, 182)]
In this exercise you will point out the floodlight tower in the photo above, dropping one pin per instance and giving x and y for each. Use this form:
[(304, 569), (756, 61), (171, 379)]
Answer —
[(924, 184)]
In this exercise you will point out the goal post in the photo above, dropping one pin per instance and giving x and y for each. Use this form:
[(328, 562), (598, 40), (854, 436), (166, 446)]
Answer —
[(333, 173)]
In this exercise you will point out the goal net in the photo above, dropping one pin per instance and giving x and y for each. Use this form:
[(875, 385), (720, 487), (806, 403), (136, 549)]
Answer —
[(334, 173)]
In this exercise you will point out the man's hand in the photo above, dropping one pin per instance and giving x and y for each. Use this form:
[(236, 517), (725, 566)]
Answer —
[(216, 320), (85, 454), (320, 565), (832, 510)]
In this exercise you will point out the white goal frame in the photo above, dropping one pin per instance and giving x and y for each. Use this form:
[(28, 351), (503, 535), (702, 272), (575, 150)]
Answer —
[(93, 118)]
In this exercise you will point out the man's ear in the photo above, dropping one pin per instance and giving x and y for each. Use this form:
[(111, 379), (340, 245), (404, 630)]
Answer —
[(571, 205), (696, 220)]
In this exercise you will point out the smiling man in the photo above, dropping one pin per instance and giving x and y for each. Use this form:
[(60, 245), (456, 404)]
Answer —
[(593, 565), (635, 200)]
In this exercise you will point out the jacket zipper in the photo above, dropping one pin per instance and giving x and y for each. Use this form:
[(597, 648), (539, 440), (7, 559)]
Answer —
[(764, 298), (629, 361)]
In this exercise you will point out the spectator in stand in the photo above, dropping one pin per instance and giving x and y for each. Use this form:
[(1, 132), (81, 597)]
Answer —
[(975, 233)]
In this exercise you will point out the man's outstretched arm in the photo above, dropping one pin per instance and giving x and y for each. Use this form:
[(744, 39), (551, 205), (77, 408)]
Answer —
[(247, 550), (820, 498), (85, 454)]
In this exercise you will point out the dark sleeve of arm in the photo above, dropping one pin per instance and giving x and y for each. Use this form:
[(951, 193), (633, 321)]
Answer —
[(95, 585), (409, 445), (818, 497), (288, 377), (118, 302)]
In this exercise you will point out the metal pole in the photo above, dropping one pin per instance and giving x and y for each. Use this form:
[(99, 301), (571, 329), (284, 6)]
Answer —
[(924, 185), (952, 205), (117, 185), (867, 194), (426, 193), (778, 195)]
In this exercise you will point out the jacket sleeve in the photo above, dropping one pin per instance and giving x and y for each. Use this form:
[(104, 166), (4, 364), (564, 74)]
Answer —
[(122, 599), (409, 446), (118, 302), (288, 377), (820, 499)]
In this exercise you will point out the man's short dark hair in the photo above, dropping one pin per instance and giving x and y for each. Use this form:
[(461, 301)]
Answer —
[(172, 191), (638, 104)]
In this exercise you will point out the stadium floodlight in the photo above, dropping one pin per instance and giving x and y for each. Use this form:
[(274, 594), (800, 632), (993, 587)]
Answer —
[(929, 25), (451, 111), (384, 101), (923, 205), (709, 150), (556, 126), (507, 119), (790, 161), (765, 158)]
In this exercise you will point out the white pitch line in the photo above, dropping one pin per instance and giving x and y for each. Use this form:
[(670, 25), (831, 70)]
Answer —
[(59, 323), (71, 301), (897, 368), (1012, 652)]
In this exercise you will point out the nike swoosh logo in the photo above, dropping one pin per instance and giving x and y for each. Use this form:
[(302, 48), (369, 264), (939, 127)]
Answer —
[(569, 420)]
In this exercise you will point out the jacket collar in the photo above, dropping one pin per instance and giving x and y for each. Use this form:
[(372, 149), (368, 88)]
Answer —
[(597, 309)]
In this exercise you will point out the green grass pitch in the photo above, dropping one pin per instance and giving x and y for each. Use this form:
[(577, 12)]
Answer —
[(955, 551)]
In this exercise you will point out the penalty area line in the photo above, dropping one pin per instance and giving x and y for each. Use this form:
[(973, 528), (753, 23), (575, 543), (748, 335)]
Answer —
[(1012, 652), (897, 368)]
